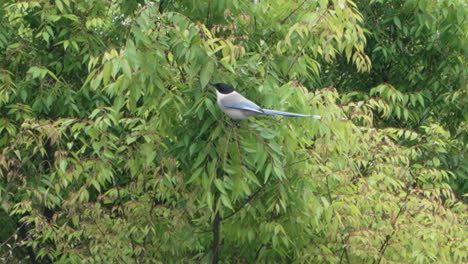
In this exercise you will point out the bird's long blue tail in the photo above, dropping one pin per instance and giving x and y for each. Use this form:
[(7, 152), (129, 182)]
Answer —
[(274, 112)]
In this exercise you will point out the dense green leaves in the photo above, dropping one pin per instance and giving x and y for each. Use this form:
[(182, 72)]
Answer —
[(113, 149), (417, 50)]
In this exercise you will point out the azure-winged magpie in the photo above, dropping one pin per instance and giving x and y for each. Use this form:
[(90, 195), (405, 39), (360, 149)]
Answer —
[(240, 108)]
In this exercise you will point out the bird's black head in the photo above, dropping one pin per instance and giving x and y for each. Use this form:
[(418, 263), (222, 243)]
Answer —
[(223, 88)]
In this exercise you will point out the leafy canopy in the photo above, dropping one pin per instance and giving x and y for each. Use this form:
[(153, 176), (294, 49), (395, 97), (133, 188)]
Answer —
[(113, 148)]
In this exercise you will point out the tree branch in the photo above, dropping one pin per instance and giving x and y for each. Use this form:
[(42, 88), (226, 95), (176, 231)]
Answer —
[(292, 13), (216, 237), (388, 237), (161, 8), (243, 204)]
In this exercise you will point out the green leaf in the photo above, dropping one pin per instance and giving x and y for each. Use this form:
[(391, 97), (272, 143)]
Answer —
[(397, 22), (220, 186), (206, 73), (209, 105), (127, 70), (267, 172), (106, 72), (226, 201)]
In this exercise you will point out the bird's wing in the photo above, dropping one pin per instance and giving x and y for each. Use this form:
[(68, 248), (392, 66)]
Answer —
[(246, 105), (274, 112)]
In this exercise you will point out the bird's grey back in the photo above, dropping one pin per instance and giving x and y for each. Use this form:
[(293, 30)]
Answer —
[(232, 98)]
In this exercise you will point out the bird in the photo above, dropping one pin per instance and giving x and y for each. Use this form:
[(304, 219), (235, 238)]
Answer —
[(239, 108)]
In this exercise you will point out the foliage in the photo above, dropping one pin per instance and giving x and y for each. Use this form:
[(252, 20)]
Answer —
[(113, 149), (418, 51)]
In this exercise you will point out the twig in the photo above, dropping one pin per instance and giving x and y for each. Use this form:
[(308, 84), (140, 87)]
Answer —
[(161, 8), (243, 204), (216, 237), (388, 237), (328, 188), (8, 239), (305, 43), (216, 226), (345, 250), (290, 14), (208, 13)]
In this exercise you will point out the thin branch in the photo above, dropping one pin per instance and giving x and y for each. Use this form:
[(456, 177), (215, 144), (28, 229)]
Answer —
[(292, 13), (388, 237), (216, 237), (328, 188), (23, 232), (267, 39), (208, 13), (216, 225), (12, 235), (345, 250), (243, 204), (161, 8), (257, 254), (305, 43), (346, 254)]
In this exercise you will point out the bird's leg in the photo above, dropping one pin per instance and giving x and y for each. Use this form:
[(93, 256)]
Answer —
[(235, 123)]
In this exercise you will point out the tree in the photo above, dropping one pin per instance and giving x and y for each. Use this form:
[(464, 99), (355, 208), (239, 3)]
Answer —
[(417, 50), (114, 150)]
